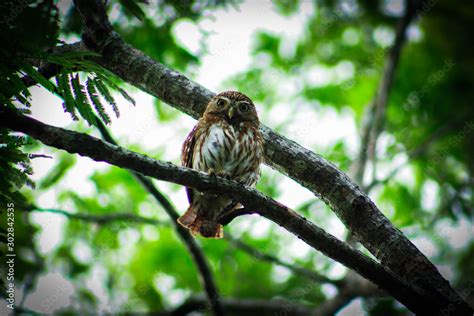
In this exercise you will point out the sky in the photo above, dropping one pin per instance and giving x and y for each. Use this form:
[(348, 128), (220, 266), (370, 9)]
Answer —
[(229, 52)]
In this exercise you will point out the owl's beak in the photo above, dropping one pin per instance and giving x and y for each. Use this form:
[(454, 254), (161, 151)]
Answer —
[(231, 112)]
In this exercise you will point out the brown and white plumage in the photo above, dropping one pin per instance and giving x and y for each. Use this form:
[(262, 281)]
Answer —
[(225, 142)]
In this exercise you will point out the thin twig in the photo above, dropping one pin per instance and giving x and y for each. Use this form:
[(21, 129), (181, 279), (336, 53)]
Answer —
[(132, 218), (34, 156), (275, 260), (414, 153), (104, 219), (354, 286), (375, 117)]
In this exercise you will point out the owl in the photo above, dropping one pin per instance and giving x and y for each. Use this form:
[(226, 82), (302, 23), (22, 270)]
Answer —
[(225, 142)]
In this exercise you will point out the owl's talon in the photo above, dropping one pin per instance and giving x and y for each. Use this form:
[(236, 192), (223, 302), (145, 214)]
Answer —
[(221, 174), (212, 172), (242, 181), (224, 175)]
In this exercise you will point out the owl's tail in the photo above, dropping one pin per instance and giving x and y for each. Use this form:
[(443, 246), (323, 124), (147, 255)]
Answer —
[(200, 226)]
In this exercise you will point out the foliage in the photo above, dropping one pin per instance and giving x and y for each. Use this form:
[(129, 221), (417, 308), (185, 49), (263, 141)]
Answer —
[(14, 164), (25, 45)]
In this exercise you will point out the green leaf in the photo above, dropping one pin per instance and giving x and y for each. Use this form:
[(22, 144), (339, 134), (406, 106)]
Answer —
[(64, 87), (38, 77), (83, 105), (125, 95), (14, 167), (92, 92), (19, 85), (114, 86), (22, 100), (104, 91), (5, 100)]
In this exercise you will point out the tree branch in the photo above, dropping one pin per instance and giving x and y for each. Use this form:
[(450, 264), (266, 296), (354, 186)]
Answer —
[(248, 307), (354, 286), (99, 219), (415, 153), (275, 260), (346, 199), (313, 235), (375, 117), (347, 291), (335, 304), (133, 218)]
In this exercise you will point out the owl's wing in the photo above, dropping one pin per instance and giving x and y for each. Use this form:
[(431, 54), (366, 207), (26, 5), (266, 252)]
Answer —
[(187, 155)]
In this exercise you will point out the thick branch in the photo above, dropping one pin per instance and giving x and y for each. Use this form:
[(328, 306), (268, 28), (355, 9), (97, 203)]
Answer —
[(313, 235), (351, 205)]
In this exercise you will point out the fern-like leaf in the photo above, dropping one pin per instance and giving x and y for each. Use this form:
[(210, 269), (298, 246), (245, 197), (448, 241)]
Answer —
[(83, 105), (38, 77), (104, 91), (69, 104), (5, 100), (14, 165), (114, 86), (23, 95), (92, 92)]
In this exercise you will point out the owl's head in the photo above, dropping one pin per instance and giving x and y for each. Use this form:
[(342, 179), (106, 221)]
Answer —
[(232, 106)]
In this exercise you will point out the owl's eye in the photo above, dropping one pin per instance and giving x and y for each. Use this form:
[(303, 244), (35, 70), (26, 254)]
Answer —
[(221, 102), (244, 107)]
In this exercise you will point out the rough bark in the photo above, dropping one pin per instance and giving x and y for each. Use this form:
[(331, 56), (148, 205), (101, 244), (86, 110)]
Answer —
[(98, 150)]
